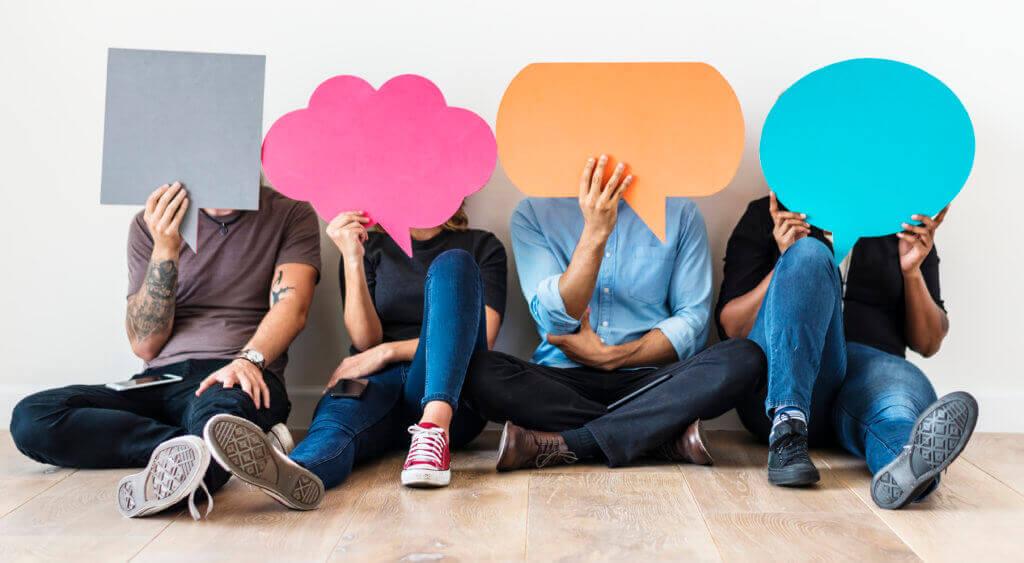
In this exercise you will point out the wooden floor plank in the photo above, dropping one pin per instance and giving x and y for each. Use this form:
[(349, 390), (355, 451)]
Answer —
[(799, 536), (656, 511), (481, 516), (21, 479), (77, 518), (971, 517), (1001, 455), (751, 519), (738, 482), (606, 515), (248, 525)]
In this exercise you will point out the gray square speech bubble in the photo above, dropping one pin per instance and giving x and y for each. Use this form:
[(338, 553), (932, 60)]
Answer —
[(196, 118)]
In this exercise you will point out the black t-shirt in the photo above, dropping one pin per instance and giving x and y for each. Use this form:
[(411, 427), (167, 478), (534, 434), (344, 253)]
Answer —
[(396, 282), (874, 305)]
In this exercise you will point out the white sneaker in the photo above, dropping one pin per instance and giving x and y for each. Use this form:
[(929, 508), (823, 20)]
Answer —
[(175, 471), (281, 438), (246, 451)]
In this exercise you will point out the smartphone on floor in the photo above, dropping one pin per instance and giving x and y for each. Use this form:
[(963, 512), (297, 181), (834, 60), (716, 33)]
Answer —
[(144, 381)]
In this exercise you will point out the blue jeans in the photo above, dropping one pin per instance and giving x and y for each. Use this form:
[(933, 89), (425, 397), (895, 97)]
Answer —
[(347, 431), (862, 398), (800, 329), (878, 404)]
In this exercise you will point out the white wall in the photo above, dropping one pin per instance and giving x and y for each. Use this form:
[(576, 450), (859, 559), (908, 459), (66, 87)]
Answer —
[(63, 256)]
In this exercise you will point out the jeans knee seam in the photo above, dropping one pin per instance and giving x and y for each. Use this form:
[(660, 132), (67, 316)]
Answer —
[(867, 428)]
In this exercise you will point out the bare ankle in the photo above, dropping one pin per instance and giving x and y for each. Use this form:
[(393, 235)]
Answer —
[(438, 413)]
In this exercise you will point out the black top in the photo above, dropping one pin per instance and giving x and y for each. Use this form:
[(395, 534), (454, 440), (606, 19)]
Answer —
[(874, 305), (396, 282)]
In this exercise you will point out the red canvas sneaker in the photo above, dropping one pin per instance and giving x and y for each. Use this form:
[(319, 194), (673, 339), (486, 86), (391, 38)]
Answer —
[(429, 461)]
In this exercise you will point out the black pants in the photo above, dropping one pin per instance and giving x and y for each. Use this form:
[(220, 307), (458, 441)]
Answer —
[(93, 427), (501, 387)]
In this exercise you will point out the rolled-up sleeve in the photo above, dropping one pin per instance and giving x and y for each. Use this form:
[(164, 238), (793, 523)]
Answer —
[(690, 288), (539, 272)]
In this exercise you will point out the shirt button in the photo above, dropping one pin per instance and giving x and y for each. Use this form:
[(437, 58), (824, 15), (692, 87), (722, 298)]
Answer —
[(604, 323), (606, 290), (607, 254)]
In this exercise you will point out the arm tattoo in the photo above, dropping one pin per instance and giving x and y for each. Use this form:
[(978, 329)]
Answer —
[(152, 310), (277, 292)]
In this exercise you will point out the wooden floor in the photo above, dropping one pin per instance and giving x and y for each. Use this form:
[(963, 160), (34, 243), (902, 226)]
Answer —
[(655, 511)]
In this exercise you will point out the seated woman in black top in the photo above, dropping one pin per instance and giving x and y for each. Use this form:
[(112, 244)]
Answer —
[(414, 324), (782, 290)]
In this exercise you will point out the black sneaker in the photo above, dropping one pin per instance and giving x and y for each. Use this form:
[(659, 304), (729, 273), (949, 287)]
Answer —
[(938, 437), (789, 464)]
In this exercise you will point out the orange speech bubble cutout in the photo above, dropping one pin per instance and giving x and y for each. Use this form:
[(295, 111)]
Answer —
[(679, 126)]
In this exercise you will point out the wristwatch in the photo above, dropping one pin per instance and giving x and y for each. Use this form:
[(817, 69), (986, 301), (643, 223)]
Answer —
[(253, 356)]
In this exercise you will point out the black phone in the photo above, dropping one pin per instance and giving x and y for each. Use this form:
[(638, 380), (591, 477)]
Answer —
[(639, 392), (349, 388)]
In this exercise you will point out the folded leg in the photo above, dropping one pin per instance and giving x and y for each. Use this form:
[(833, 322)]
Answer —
[(91, 426), (704, 386)]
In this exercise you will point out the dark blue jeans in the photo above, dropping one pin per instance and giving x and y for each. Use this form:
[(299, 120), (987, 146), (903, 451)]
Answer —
[(93, 427), (862, 398), (347, 431)]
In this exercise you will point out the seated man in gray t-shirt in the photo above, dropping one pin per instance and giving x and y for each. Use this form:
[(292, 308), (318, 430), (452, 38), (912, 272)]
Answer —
[(220, 318)]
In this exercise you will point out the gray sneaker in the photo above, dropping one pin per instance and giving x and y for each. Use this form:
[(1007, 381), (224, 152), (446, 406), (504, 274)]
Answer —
[(281, 438), (938, 437), (175, 471), (244, 449)]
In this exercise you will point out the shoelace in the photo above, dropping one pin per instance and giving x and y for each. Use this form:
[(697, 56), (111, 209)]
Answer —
[(792, 447), (427, 446), (548, 452), (192, 502)]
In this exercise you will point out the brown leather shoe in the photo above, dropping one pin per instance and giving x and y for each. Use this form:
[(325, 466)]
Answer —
[(521, 448), (688, 447)]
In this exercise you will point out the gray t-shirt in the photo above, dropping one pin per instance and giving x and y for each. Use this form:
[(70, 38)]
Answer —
[(224, 290)]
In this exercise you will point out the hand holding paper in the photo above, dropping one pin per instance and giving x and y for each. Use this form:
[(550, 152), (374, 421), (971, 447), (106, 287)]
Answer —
[(348, 232), (165, 210), (399, 154), (599, 200), (916, 241)]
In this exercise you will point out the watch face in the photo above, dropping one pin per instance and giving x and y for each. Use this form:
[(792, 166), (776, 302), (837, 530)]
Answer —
[(254, 356)]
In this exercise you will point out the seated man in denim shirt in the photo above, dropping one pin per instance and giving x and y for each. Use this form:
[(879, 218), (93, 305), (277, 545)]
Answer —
[(617, 310)]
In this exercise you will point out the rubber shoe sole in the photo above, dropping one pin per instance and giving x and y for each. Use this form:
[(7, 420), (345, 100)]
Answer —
[(939, 436), (240, 447), (426, 478), (800, 476), (175, 469)]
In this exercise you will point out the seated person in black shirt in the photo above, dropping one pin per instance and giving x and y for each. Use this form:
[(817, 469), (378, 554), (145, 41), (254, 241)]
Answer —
[(414, 324), (836, 361)]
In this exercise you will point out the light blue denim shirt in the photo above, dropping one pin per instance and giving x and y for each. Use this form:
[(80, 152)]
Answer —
[(642, 284)]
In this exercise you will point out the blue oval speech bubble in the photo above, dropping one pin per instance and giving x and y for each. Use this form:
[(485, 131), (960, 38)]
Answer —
[(861, 145)]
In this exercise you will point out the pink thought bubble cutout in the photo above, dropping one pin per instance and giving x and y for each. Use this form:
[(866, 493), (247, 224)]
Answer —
[(400, 154)]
